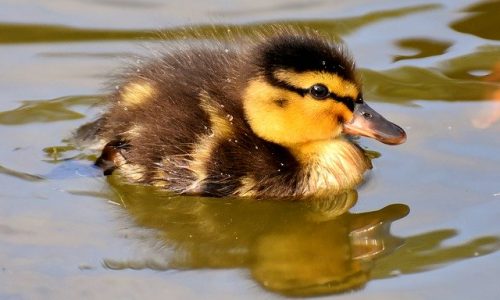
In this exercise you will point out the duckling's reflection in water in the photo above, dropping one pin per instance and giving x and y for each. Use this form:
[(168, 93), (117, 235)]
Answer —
[(296, 248)]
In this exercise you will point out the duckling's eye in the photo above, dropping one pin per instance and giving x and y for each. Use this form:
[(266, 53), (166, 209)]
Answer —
[(319, 91)]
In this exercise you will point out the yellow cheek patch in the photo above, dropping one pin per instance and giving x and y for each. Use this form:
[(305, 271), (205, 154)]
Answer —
[(343, 113), (136, 93), (301, 120), (305, 80)]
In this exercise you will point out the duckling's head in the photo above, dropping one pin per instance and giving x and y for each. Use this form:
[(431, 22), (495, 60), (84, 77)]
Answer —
[(304, 89)]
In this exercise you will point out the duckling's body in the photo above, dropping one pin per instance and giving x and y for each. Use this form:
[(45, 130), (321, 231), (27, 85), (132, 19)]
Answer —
[(238, 120)]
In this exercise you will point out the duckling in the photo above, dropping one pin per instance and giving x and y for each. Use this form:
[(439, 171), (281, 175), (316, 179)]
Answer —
[(266, 117)]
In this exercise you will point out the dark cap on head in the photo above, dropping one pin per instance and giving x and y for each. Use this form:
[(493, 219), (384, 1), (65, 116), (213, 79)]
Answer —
[(304, 52)]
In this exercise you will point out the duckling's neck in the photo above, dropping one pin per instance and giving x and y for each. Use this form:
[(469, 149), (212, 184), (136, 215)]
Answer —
[(330, 165)]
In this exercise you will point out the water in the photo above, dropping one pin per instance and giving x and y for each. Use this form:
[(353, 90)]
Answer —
[(425, 225)]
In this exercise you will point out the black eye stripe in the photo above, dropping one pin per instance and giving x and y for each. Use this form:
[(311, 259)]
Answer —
[(285, 85), (347, 101)]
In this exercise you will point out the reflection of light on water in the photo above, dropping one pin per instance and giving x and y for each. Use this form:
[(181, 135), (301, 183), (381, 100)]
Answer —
[(479, 73)]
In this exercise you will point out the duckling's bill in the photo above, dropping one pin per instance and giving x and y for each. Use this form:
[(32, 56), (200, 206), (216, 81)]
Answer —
[(367, 122)]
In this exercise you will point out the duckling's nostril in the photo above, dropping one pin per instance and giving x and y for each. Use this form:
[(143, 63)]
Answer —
[(367, 115)]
